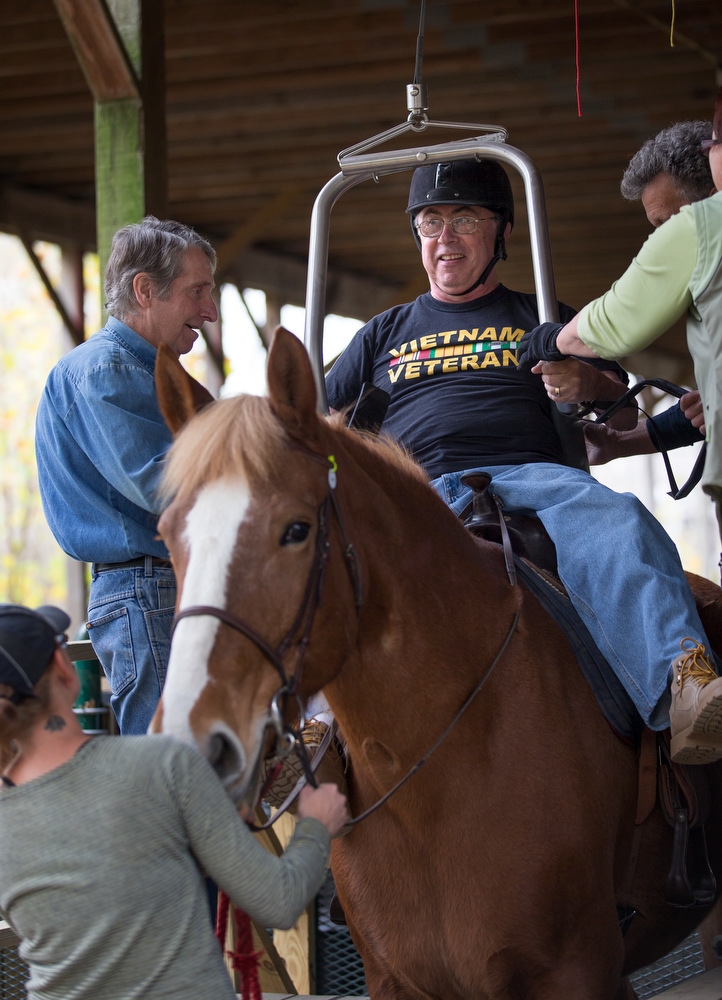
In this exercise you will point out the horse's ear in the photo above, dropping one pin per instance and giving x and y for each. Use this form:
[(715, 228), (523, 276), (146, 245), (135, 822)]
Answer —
[(291, 386), (180, 396)]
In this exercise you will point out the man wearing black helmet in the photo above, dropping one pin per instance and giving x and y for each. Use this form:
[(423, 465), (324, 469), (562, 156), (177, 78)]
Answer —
[(459, 402)]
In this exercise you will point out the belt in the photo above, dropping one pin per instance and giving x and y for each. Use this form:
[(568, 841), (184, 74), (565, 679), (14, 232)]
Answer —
[(156, 561)]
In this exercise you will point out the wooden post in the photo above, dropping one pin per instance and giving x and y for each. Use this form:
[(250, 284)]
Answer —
[(119, 45), (295, 946), (120, 198)]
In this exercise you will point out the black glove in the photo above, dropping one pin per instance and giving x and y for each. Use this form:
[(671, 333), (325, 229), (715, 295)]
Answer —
[(540, 344)]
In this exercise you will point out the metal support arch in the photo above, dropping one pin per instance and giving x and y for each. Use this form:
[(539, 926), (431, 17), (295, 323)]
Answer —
[(370, 166)]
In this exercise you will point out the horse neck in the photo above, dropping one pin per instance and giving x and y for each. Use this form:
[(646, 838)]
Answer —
[(438, 606)]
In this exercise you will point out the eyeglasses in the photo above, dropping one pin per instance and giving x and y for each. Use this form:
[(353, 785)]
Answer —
[(462, 225), (707, 144), (61, 641)]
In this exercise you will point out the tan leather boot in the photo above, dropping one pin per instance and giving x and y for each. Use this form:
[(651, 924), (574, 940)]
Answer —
[(696, 713)]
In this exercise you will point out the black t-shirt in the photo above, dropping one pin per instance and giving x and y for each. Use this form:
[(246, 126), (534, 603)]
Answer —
[(458, 398)]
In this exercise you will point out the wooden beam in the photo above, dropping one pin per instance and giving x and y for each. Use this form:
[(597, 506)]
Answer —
[(348, 294), (254, 227), (153, 82), (212, 334), (77, 334), (99, 49), (72, 286), (42, 216), (295, 946), (272, 971), (130, 150)]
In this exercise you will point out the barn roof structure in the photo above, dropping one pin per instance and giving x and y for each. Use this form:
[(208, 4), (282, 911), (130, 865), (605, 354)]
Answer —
[(253, 102)]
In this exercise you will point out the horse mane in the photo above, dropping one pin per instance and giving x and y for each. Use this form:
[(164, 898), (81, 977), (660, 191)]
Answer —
[(368, 446), (241, 434), (231, 436)]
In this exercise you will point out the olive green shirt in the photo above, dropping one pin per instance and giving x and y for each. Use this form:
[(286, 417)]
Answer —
[(678, 270)]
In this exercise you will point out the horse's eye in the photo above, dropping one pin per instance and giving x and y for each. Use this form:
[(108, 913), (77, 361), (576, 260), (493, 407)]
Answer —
[(296, 532)]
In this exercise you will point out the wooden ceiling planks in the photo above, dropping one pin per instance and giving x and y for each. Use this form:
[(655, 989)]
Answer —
[(261, 98)]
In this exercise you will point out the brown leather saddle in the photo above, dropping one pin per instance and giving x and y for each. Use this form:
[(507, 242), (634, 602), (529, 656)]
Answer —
[(485, 517)]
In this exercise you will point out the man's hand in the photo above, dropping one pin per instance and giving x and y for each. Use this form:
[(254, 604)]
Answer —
[(575, 381), (539, 344), (602, 443), (691, 405)]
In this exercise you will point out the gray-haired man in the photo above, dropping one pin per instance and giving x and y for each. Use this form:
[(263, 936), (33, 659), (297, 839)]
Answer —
[(100, 443)]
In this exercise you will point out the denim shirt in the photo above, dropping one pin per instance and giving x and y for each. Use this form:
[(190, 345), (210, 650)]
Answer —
[(100, 441)]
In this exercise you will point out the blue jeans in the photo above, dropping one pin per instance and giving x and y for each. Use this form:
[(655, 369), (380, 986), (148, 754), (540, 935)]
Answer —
[(620, 568), (130, 616)]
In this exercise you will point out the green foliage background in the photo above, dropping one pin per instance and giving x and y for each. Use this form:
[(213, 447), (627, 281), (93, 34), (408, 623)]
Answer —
[(32, 339)]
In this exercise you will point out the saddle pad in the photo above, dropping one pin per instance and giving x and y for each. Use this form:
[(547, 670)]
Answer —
[(618, 708)]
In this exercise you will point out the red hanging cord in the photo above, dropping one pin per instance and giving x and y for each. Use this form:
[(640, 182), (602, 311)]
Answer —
[(244, 959), (576, 58)]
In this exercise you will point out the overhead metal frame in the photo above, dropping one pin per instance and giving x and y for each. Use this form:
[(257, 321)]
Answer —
[(359, 164)]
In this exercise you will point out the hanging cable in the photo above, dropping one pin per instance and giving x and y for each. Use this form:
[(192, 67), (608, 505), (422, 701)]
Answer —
[(417, 105), (420, 45), (416, 99)]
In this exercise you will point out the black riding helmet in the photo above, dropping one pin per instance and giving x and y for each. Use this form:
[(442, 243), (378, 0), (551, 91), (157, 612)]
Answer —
[(464, 182)]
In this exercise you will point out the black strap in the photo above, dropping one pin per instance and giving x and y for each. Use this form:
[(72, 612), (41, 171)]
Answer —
[(157, 561), (677, 493)]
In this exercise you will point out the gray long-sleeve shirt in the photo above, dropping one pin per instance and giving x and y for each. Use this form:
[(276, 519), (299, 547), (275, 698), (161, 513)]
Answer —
[(102, 865)]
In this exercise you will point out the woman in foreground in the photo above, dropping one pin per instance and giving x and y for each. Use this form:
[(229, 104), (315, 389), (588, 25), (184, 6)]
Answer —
[(105, 842)]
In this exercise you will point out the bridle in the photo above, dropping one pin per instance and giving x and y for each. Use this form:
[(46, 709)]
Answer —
[(299, 633)]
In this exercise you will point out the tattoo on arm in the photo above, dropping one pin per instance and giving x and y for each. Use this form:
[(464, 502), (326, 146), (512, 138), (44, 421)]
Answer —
[(54, 723)]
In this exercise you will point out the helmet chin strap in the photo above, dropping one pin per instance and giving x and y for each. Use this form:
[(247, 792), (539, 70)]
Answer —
[(499, 254)]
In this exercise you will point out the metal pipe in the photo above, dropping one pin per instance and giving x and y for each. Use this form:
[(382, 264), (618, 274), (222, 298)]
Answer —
[(356, 168), (317, 273)]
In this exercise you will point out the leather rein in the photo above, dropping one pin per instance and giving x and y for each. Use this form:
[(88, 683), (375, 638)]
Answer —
[(676, 492)]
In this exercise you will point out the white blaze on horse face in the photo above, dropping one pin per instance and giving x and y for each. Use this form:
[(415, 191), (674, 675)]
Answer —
[(210, 534)]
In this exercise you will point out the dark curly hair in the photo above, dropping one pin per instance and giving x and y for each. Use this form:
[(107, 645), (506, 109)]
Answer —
[(674, 151)]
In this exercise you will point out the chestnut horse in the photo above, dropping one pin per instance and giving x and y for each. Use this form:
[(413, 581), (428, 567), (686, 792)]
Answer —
[(311, 557)]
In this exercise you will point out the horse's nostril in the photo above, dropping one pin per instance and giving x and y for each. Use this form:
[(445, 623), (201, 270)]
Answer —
[(223, 756)]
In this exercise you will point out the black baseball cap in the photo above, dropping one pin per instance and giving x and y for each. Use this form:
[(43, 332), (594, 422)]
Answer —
[(28, 640)]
